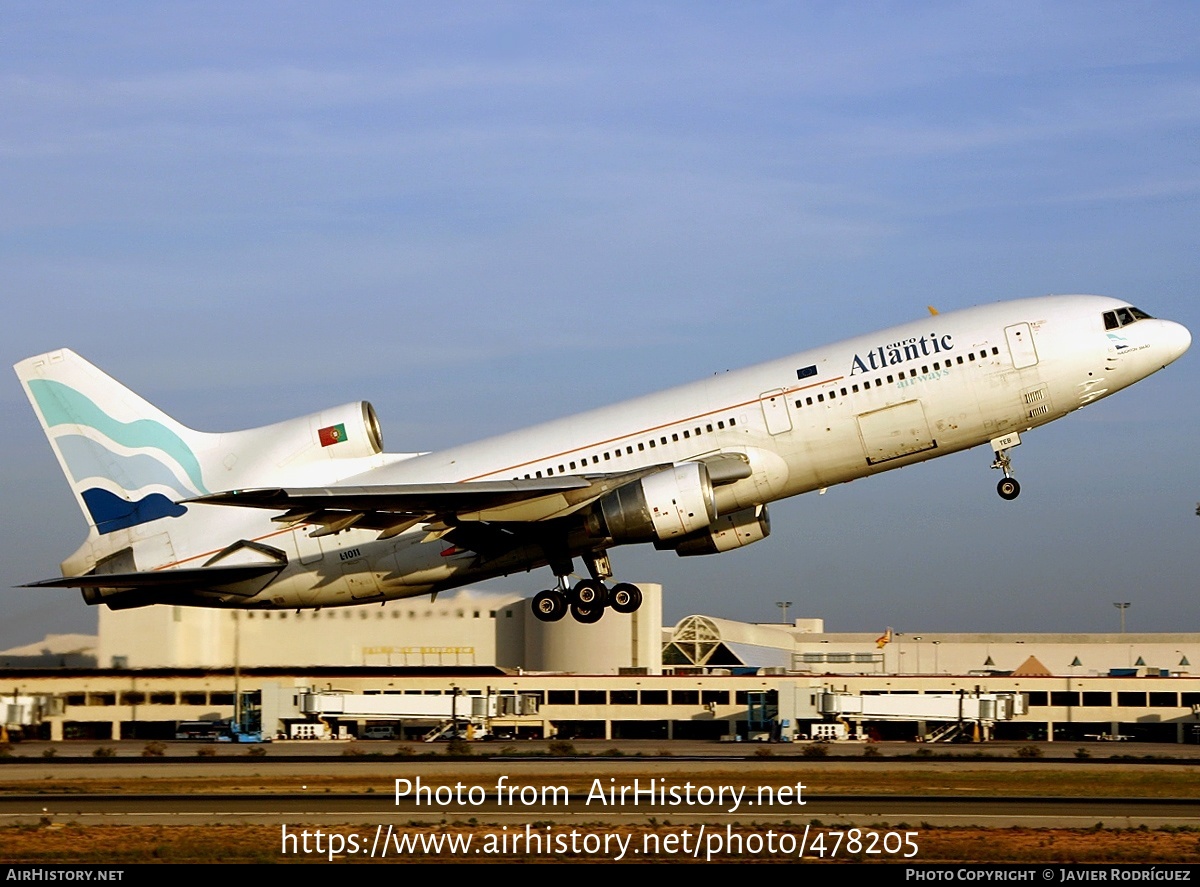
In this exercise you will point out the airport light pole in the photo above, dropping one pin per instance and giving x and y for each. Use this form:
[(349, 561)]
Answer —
[(1122, 606), (783, 605)]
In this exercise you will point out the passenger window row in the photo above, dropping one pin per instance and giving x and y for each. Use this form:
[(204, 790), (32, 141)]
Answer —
[(651, 443), (832, 393)]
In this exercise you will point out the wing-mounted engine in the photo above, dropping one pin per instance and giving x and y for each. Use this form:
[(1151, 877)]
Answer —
[(660, 507), (726, 533)]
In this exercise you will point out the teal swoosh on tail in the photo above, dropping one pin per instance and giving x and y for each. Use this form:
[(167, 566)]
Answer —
[(63, 405)]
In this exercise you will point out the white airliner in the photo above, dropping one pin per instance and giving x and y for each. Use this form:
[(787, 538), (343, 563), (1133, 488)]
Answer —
[(312, 513)]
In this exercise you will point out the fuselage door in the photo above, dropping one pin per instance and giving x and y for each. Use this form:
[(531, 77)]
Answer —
[(359, 576), (895, 431), (775, 411), (1020, 345)]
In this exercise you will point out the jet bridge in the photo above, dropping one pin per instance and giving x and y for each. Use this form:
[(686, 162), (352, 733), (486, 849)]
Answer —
[(21, 715), (953, 713), (441, 712)]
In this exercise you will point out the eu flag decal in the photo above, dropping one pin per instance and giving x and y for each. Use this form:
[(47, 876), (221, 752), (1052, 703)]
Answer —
[(332, 435)]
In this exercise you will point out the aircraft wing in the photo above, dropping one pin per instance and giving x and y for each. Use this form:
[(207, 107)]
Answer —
[(394, 508)]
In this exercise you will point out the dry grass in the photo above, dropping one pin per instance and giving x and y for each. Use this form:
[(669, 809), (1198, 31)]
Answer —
[(118, 844)]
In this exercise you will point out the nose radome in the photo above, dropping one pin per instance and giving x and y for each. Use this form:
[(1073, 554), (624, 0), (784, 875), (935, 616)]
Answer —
[(1177, 340)]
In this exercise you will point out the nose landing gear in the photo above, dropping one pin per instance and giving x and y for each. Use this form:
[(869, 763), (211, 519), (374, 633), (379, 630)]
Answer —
[(1008, 488)]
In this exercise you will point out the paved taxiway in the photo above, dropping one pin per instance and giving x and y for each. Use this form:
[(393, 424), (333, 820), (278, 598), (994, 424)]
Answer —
[(312, 790)]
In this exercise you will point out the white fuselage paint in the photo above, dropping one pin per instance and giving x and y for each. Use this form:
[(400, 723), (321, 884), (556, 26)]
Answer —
[(880, 401)]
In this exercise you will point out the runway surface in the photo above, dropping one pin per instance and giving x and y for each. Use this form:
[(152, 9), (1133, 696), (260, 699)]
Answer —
[(634, 788)]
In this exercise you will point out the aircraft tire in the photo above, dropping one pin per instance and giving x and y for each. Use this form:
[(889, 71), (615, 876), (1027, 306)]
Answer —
[(589, 594), (586, 615), (1008, 489), (549, 605), (624, 597)]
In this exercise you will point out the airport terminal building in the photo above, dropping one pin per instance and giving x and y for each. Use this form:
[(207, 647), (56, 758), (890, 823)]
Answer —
[(481, 664)]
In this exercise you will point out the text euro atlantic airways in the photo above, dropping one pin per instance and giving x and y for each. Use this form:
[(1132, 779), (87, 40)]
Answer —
[(601, 793), (901, 352)]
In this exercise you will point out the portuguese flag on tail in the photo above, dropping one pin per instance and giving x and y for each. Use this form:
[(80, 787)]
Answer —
[(332, 435)]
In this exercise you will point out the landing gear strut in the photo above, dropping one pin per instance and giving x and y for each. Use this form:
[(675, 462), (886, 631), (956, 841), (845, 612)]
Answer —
[(1008, 488), (588, 599)]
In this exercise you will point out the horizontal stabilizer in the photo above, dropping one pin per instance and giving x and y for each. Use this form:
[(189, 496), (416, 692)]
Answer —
[(219, 579)]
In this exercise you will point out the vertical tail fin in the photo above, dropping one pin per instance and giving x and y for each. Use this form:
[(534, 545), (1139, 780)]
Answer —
[(127, 461)]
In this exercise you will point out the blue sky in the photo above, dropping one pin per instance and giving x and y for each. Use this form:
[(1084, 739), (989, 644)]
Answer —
[(482, 215)]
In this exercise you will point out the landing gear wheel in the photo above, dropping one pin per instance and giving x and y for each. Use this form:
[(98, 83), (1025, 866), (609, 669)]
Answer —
[(1008, 489), (625, 598), (586, 615), (590, 594), (550, 606)]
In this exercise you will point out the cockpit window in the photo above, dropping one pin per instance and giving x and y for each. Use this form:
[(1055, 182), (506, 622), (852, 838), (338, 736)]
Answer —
[(1124, 317)]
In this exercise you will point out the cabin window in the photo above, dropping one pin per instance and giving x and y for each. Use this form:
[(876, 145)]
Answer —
[(708, 428), (675, 437), (720, 424), (890, 380), (732, 422), (686, 434), (821, 398), (809, 399), (959, 360), (607, 457), (642, 447), (651, 443)]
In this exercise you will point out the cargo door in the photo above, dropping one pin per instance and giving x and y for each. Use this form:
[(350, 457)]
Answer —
[(895, 431)]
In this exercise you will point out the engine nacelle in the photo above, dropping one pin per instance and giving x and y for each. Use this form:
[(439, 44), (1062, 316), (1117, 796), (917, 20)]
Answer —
[(727, 532), (667, 505), (299, 451)]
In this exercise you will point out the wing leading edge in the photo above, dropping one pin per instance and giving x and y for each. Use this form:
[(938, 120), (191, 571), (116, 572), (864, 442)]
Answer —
[(393, 508)]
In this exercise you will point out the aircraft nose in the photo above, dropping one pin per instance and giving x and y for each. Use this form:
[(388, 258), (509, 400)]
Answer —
[(1176, 340)]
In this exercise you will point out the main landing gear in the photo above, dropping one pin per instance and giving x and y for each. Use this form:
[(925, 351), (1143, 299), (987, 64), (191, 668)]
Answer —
[(587, 599), (1008, 488)]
